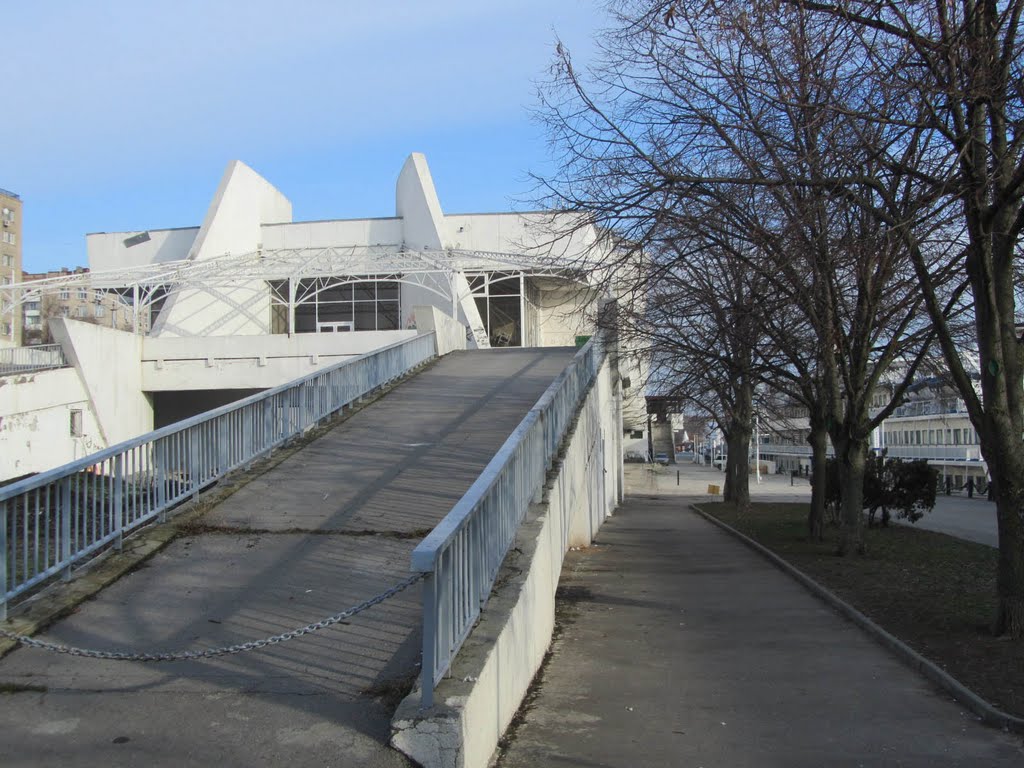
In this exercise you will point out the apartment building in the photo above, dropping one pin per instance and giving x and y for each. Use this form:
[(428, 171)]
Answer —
[(79, 302), (932, 424), (10, 265)]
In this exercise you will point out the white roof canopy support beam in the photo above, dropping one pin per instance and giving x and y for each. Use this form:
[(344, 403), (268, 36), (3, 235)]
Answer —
[(461, 290), (224, 274)]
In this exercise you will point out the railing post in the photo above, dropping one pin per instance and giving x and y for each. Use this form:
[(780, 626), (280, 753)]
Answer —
[(223, 445), (119, 500), (429, 661), (267, 438), (3, 560), (194, 467), (248, 441), (160, 477), (65, 526)]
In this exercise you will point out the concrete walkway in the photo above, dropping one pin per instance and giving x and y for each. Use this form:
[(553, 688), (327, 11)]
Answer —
[(329, 527), (679, 646)]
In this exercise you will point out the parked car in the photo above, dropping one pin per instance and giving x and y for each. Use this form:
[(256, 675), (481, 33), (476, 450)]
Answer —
[(661, 458)]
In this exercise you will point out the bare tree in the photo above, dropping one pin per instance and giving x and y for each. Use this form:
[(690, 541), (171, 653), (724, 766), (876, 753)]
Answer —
[(694, 101), (956, 66)]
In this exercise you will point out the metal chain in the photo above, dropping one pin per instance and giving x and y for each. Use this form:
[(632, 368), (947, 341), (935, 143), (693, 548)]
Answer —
[(209, 653)]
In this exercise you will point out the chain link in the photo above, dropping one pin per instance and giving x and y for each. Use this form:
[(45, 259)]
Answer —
[(252, 645)]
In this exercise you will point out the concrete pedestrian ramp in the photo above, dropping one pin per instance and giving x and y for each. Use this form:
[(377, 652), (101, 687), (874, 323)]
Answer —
[(329, 527)]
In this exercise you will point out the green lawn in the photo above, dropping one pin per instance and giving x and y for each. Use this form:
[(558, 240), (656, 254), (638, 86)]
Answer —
[(934, 592)]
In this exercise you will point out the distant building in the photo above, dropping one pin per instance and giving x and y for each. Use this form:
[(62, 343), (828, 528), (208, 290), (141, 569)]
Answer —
[(79, 302), (10, 266), (932, 424)]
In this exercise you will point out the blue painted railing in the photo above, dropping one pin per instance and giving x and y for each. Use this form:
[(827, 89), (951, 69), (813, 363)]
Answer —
[(59, 518), (462, 555)]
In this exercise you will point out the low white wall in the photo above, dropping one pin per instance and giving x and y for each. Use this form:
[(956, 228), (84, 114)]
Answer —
[(451, 334), (35, 422), (493, 670), (250, 362), (107, 363)]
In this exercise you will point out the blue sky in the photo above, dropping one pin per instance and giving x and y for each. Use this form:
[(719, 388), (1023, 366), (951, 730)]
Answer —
[(121, 115)]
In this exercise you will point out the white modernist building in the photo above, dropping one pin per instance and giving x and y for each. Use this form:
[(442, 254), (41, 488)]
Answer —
[(249, 299)]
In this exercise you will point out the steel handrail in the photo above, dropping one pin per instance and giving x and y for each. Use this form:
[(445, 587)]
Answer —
[(461, 556), (44, 357), (58, 518)]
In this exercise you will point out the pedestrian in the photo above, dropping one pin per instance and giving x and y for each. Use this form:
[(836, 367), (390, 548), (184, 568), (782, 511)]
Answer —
[(991, 489), (949, 484), (969, 485)]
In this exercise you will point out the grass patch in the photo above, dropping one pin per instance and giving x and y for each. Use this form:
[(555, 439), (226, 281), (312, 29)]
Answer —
[(935, 592), (11, 688)]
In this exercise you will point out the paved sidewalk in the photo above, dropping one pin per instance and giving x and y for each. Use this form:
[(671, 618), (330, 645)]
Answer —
[(679, 646), (329, 527)]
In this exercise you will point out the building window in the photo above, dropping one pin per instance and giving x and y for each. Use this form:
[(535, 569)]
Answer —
[(6, 329), (368, 304), (65, 294), (8, 260), (81, 312), (64, 310), (99, 311), (76, 423), (83, 294)]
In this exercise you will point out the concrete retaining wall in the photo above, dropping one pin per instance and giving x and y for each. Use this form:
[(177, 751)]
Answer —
[(493, 670), (451, 334)]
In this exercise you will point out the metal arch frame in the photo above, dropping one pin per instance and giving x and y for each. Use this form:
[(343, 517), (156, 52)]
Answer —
[(152, 282)]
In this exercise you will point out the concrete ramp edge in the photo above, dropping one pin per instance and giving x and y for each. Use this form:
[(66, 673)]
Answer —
[(493, 670)]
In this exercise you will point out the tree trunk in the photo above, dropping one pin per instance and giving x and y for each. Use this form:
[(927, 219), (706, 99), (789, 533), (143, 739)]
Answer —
[(738, 468), (852, 465), (818, 438), (1009, 497)]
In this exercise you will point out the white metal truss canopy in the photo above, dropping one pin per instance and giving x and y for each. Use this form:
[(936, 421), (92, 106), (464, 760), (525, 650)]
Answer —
[(150, 283)]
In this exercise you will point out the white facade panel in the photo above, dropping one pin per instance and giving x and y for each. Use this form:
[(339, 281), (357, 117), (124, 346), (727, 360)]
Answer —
[(107, 250), (324, 234), (35, 422)]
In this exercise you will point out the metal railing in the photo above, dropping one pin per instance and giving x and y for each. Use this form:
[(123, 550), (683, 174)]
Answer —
[(462, 555), (939, 407), (935, 452), (791, 449), (15, 360), (59, 518)]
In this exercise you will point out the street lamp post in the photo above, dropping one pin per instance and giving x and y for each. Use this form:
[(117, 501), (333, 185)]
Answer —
[(757, 446)]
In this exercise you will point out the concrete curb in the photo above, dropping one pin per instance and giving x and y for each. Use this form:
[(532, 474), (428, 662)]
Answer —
[(39, 611), (985, 711)]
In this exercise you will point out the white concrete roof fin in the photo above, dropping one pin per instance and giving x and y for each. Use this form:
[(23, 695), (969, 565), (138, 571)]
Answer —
[(243, 202), (416, 203)]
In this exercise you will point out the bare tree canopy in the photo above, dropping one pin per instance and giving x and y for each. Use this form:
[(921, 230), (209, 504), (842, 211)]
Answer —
[(862, 161)]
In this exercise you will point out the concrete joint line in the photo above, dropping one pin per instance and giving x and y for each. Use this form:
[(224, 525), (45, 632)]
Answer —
[(985, 711)]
